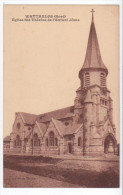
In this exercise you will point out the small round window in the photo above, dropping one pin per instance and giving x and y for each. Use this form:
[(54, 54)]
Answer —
[(18, 125), (66, 123)]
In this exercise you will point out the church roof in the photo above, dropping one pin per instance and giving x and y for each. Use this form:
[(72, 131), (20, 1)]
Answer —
[(59, 126), (29, 118), (46, 117), (57, 114), (7, 139), (93, 57), (71, 129)]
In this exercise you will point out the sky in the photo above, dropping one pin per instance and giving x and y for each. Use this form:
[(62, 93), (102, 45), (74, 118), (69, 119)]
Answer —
[(42, 59)]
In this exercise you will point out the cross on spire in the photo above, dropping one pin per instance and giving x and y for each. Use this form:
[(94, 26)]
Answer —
[(92, 14)]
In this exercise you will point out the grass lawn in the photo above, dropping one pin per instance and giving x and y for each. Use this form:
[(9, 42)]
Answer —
[(81, 173), (26, 180)]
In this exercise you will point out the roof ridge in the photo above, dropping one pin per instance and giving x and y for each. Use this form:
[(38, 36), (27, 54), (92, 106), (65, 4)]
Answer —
[(28, 113), (56, 110)]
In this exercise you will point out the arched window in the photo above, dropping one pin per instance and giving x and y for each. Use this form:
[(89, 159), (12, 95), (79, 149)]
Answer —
[(87, 79), (56, 142), (79, 141), (51, 138), (102, 79), (18, 141), (36, 140), (18, 125), (47, 142)]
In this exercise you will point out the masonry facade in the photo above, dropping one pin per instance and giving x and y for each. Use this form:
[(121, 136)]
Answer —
[(86, 128)]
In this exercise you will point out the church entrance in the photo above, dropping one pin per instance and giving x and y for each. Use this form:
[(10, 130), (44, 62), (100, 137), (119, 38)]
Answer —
[(109, 145), (69, 147)]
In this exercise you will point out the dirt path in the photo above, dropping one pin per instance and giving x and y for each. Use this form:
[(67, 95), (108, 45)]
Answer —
[(17, 179)]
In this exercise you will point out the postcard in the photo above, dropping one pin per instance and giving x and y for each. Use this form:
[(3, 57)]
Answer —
[(61, 96)]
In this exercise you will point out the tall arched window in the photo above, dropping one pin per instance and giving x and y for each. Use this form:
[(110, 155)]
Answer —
[(51, 138), (102, 79), (87, 79), (79, 141), (56, 142), (18, 141)]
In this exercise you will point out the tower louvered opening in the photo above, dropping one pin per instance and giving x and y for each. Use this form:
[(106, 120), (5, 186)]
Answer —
[(82, 80), (102, 79), (87, 79)]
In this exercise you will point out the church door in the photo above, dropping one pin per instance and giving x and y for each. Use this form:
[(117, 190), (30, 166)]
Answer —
[(70, 147), (109, 145)]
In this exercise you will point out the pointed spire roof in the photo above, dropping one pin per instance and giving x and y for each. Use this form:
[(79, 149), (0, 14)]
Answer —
[(93, 58)]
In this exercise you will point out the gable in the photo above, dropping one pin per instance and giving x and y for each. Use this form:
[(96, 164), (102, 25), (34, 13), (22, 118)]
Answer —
[(18, 126), (37, 131), (108, 127), (53, 128)]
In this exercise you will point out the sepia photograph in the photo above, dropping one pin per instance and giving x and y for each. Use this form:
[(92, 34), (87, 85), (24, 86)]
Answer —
[(61, 96)]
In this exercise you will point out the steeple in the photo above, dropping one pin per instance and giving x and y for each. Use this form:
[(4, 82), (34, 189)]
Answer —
[(93, 58)]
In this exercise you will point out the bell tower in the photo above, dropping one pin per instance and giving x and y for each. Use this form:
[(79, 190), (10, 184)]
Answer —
[(93, 100)]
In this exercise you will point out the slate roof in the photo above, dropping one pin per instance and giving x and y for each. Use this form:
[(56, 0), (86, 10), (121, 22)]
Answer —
[(59, 126), (71, 129), (46, 117), (29, 118), (57, 114), (7, 139), (93, 57), (54, 116)]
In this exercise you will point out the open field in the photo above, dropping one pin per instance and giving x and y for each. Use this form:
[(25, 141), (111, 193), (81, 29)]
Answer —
[(66, 172)]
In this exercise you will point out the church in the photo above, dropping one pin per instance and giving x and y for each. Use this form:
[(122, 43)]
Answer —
[(86, 128)]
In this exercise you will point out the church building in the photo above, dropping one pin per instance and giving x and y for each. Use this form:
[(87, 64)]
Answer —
[(86, 128)]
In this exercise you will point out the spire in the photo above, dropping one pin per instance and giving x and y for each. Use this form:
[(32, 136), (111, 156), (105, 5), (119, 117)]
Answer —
[(93, 58)]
